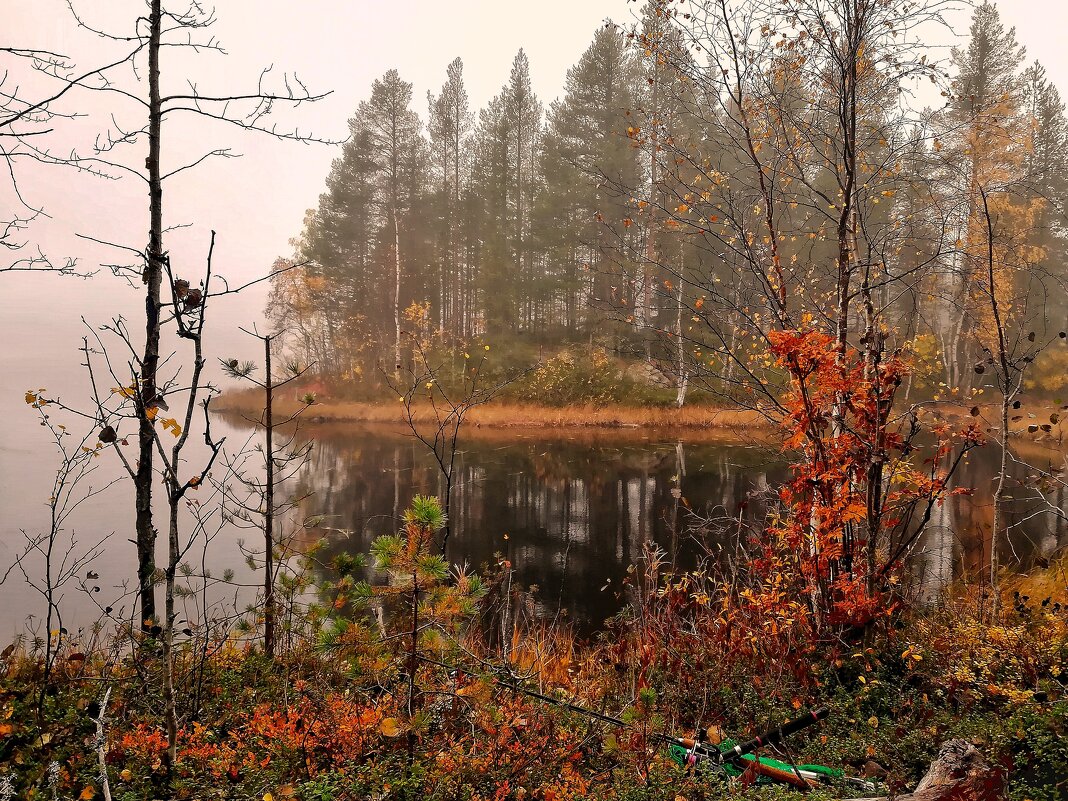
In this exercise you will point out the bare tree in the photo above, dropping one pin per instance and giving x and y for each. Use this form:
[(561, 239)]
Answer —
[(1011, 349), (280, 462), (435, 410), (132, 78), (65, 561), (187, 310), (27, 120)]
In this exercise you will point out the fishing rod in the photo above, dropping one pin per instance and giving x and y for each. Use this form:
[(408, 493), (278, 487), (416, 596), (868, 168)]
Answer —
[(694, 747), (734, 760)]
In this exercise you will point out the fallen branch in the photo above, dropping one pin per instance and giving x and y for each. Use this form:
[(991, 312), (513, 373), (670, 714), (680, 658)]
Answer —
[(101, 746)]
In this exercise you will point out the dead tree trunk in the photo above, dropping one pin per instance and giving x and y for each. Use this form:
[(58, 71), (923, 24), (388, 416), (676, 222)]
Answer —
[(153, 278), (958, 773), (268, 516)]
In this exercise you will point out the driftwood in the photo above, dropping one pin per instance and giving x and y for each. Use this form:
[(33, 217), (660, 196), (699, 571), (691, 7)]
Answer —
[(958, 773)]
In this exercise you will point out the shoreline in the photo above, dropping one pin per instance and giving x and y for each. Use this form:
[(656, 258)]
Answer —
[(736, 426), (508, 415)]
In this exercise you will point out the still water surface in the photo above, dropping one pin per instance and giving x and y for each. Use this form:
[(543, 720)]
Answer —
[(570, 510)]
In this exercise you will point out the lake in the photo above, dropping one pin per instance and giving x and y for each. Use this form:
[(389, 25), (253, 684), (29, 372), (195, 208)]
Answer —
[(571, 510)]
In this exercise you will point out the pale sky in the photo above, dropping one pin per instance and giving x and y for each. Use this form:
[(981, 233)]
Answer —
[(257, 202)]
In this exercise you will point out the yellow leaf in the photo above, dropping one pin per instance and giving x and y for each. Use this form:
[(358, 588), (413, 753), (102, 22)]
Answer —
[(86, 794), (31, 398), (126, 775), (390, 727), (172, 425), (873, 722), (268, 797)]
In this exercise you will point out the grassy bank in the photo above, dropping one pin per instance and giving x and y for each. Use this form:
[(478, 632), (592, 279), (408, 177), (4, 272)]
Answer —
[(506, 414), (327, 719), (508, 418)]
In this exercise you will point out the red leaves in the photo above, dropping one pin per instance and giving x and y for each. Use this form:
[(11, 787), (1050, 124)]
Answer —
[(854, 461)]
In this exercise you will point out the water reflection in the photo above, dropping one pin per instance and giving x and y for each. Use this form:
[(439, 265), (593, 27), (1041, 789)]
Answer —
[(572, 513)]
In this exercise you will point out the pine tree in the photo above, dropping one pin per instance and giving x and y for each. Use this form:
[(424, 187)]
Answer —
[(523, 117), (587, 165), (504, 183), (488, 201), (339, 239), (437, 600), (1046, 178), (982, 131), (449, 125), (393, 130)]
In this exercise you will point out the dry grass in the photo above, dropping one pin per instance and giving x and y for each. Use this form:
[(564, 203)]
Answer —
[(1048, 581), (508, 415)]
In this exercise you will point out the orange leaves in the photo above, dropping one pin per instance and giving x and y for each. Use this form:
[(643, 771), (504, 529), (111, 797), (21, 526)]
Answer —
[(333, 728), (391, 727), (170, 424), (838, 416)]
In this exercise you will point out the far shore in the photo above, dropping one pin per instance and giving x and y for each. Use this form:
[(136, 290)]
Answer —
[(697, 421), (504, 414)]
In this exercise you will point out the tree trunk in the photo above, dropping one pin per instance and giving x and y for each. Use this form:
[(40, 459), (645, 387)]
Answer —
[(396, 295), (1005, 380), (268, 517), (169, 698), (413, 662), (958, 773), (153, 278), (682, 379)]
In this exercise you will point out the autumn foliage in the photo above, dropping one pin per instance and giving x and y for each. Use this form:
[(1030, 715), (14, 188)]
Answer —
[(865, 483)]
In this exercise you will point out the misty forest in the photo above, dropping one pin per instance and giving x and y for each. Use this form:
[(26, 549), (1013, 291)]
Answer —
[(691, 429)]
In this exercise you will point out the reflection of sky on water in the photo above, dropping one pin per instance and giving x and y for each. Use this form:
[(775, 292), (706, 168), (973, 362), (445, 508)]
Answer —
[(571, 512)]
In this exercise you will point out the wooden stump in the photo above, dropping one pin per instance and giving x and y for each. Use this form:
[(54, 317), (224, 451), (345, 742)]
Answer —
[(958, 773)]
